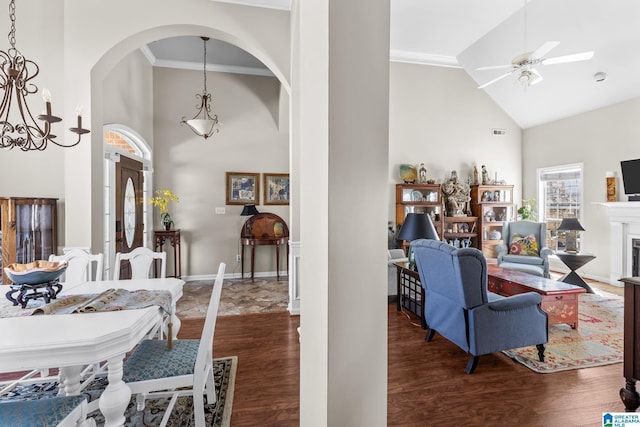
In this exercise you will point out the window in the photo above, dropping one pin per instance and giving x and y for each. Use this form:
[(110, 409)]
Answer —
[(560, 196)]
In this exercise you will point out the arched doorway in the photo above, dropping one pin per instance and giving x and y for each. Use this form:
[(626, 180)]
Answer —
[(122, 143)]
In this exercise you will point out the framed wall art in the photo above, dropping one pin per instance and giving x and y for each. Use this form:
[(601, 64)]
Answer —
[(243, 188), (276, 188)]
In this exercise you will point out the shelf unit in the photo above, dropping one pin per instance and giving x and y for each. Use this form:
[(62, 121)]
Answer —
[(461, 228), (493, 205), (419, 198)]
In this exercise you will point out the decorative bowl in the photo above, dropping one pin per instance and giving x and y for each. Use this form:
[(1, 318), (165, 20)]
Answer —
[(408, 173), (35, 272)]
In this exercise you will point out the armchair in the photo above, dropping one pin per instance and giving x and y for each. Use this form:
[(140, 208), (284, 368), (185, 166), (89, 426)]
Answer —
[(520, 253), (459, 307)]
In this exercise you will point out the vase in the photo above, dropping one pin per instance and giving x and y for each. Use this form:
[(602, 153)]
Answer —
[(278, 229), (167, 226)]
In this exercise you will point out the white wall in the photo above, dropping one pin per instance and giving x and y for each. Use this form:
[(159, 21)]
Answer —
[(438, 117), (88, 60), (599, 139), (39, 174), (195, 169), (128, 95)]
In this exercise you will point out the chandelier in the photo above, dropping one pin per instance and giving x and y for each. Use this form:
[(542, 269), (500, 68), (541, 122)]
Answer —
[(203, 124), (16, 73)]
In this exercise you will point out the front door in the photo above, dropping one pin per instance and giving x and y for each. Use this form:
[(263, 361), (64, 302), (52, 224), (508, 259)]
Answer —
[(129, 225)]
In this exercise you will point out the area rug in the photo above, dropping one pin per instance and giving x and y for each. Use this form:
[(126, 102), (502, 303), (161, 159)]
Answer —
[(239, 296), (217, 415), (597, 341)]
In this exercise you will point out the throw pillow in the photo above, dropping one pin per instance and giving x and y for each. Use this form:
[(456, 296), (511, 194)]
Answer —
[(524, 245)]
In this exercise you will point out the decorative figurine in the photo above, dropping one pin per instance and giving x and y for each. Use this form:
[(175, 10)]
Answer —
[(476, 181), (422, 173), (485, 176)]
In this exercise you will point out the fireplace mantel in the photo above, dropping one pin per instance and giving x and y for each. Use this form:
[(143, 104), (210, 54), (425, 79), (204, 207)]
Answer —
[(624, 221)]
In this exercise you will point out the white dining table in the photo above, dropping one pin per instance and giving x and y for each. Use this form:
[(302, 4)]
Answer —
[(72, 341)]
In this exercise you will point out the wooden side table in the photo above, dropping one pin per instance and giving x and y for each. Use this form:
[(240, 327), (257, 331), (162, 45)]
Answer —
[(410, 292), (173, 237), (264, 229)]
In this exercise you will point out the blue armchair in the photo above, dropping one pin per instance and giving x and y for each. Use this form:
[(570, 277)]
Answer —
[(518, 254), (459, 307)]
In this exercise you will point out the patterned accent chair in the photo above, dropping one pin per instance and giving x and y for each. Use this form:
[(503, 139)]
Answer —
[(61, 411), (459, 307), (153, 368), (534, 263), (141, 260), (80, 266)]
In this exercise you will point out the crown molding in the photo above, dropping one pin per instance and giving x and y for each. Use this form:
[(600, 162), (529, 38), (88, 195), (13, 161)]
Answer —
[(423, 58), (269, 4), (184, 65)]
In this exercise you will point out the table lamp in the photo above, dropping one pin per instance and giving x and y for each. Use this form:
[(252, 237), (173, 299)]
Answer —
[(417, 226), (249, 210), (573, 226)]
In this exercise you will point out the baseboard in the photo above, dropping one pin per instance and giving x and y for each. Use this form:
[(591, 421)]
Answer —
[(393, 299)]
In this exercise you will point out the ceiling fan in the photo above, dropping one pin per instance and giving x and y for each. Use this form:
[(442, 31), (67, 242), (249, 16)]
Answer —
[(524, 64)]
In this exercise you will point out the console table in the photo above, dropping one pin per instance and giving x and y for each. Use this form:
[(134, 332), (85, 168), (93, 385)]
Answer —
[(264, 229), (173, 237)]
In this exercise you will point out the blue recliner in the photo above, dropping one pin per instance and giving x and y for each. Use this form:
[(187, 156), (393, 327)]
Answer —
[(459, 307)]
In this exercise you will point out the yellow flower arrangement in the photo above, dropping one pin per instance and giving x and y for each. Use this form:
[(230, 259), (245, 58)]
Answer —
[(161, 201)]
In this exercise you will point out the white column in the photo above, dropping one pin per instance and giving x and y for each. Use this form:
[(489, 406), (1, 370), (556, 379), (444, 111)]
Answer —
[(343, 80)]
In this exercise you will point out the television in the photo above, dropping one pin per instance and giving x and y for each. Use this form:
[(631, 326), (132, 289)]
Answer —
[(631, 178)]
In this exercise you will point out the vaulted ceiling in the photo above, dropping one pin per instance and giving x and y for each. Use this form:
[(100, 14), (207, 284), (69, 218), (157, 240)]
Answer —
[(470, 34)]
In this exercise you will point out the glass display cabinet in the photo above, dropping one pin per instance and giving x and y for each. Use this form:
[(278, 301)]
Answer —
[(419, 198), (28, 228)]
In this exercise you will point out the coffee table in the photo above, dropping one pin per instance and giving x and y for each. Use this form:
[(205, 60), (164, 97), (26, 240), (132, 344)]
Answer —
[(559, 299)]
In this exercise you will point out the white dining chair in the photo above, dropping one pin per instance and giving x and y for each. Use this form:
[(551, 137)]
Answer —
[(61, 411), (81, 266), (155, 371), (141, 260)]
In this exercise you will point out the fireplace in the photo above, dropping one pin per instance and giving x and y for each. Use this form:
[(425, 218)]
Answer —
[(624, 221), (635, 253)]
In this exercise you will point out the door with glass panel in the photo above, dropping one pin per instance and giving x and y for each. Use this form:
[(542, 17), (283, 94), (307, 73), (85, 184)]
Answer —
[(129, 207)]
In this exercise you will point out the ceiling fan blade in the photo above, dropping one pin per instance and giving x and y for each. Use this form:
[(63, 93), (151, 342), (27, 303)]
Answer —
[(542, 50), (584, 56), (494, 80), (494, 67)]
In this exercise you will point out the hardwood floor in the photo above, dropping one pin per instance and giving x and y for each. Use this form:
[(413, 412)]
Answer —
[(427, 383), (267, 380)]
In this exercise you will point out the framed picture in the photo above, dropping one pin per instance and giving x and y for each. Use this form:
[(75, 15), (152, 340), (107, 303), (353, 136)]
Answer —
[(276, 188), (243, 188)]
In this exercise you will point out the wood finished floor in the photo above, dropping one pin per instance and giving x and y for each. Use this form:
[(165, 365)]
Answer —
[(427, 384)]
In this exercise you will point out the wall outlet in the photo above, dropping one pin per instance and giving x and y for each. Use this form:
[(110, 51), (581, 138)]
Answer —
[(238, 257)]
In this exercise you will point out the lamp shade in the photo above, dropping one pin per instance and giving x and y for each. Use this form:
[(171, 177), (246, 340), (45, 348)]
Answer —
[(249, 210), (570, 224), (418, 226)]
